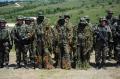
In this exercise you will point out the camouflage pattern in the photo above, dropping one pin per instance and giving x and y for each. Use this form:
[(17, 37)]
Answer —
[(44, 44), (102, 36), (84, 40), (116, 41), (31, 46), (109, 19), (62, 54), (5, 44), (69, 30), (21, 36)]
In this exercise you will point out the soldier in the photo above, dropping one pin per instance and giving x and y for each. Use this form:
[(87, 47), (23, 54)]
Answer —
[(102, 36), (91, 33), (43, 42), (48, 49), (83, 44), (5, 44), (117, 42), (31, 47), (109, 19), (69, 30), (113, 29), (39, 37), (109, 16), (62, 48), (21, 36)]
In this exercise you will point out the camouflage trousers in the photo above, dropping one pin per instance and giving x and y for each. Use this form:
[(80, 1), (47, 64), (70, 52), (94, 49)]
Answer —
[(82, 58), (31, 50), (117, 52), (4, 56), (63, 57), (100, 55), (21, 53)]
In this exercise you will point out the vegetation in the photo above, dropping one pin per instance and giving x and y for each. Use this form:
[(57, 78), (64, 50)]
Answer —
[(53, 8)]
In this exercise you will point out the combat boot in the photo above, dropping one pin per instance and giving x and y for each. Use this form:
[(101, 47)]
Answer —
[(18, 66), (1, 66), (7, 66)]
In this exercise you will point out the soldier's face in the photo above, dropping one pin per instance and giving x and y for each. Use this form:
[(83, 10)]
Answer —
[(2, 24), (103, 23), (20, 22), (28, 22), (110, 14), (67, 20)]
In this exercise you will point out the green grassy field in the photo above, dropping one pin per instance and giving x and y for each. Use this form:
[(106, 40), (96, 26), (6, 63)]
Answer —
[(76, 8)]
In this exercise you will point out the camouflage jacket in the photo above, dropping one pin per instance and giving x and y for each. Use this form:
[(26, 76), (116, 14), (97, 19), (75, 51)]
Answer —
[(102, 35), (85, 38), (20, 34), (5, 37)]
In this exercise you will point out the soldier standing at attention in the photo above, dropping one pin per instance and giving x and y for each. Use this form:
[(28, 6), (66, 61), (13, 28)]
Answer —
[(69, 30), (5, 44), (31, 46), (109, 18), (20, 37), (83, 44), (102, 37)]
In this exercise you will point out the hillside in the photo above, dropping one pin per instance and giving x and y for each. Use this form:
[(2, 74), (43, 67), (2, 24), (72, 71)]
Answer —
[(76, 8)]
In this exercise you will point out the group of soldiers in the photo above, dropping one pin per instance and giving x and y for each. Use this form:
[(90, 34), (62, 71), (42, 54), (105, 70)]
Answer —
[(38, 45)]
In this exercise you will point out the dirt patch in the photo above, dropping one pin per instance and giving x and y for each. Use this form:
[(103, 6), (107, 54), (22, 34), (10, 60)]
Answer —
[(111, 72)]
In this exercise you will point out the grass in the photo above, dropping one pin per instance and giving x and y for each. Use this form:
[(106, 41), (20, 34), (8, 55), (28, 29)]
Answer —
[(76, 8)]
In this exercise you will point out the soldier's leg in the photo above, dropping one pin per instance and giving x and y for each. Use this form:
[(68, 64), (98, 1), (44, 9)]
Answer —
[(66, 63), (98, 57), (57, 57), (104, 54), (86, 60), (115, 52), (18, 56), (6, 56), (30, 48), (32, 54), (47, 60), (24, 53), (1, 58), (110, 51), (38, 58), (118, 55)]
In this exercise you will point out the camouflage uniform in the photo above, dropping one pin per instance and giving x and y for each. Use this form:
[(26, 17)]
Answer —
[(109, 19), (5, 44), (21, 36), (48, 50), (113, 29), (91, 39), (43, 43), (102, 36), (117, 42), (62, 48), (31, 46), (69, 30), (83, 44)]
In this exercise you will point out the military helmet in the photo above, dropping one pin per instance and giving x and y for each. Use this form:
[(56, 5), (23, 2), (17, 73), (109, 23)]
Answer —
[(2, 20), (103, 19), (109, 11), (40, 13), (87, 17), (20, 17), (116, 17), (83, 20), (28, 19), (66, 16), (61, 22)]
